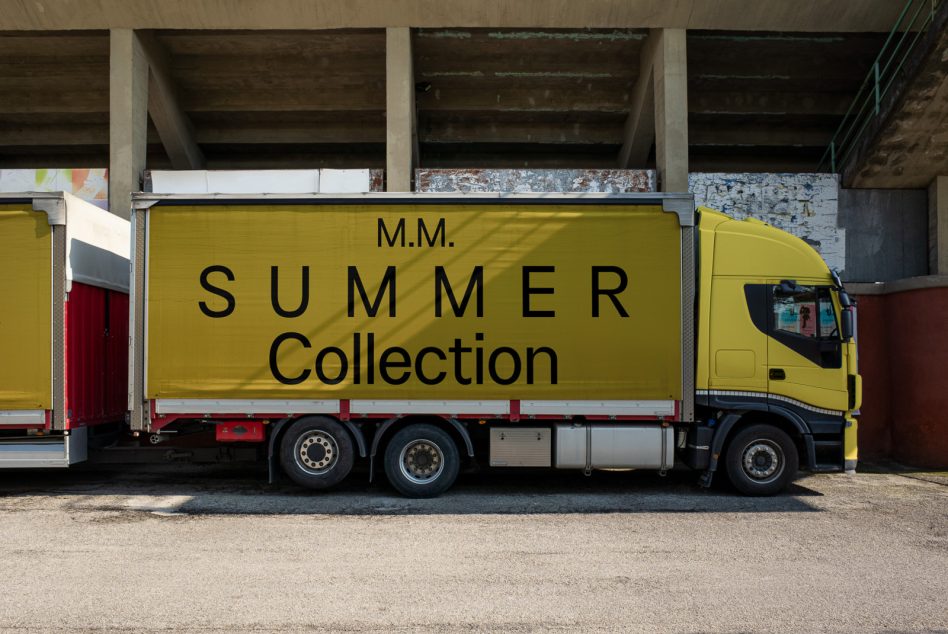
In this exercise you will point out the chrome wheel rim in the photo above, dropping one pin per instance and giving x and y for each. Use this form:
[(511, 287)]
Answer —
[(316, 452), (763, 461), (421, 461)]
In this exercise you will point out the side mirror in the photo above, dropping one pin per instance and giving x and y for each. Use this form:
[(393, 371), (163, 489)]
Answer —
[(846, 324), (844, 299)]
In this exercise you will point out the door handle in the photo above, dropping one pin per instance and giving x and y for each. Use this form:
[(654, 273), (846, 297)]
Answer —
[(777, 374)]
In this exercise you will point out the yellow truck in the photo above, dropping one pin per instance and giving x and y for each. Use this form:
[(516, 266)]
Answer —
[(422, 334), (63, 328)]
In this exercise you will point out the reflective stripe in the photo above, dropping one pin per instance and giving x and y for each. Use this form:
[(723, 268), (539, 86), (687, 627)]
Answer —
[(765, 395)]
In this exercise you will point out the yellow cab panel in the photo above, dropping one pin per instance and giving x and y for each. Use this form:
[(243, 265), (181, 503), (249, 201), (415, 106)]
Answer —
[(793, 333), (805, 354)]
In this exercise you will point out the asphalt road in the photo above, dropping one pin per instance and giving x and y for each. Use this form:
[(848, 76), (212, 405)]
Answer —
[(218, 550)]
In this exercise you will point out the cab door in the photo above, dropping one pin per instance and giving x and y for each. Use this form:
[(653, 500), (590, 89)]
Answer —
[(737, 355), (804, 348)]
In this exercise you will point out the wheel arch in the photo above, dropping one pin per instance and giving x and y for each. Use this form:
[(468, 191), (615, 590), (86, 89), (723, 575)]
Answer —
[(454, 428), (279, 430), (762, 413)]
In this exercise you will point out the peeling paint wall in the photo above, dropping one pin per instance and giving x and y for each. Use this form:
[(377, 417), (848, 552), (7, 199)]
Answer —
[(92, 185), (806, 205), (536, 180)]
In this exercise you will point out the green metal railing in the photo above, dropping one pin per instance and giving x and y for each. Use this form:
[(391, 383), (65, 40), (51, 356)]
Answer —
[(913, 23)]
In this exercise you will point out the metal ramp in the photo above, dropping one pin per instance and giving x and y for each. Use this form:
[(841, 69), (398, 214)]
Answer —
[(32, 452)]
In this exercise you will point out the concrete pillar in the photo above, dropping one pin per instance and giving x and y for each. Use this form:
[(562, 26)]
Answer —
[(399, 109), (640, 124), (671, 109), (938, 226), (128, 118)]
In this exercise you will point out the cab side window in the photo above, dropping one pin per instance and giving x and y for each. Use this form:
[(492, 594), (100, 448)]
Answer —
[(808, 311), (804, 320)]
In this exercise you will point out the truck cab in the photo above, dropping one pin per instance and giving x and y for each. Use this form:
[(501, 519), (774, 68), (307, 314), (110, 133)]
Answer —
[(776, 376)]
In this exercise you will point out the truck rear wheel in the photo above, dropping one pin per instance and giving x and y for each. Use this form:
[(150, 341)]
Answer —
[(761, 460), (422, 461), (316, 452)]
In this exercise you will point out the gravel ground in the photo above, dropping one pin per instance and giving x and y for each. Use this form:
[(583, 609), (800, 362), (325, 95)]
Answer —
[(216, 549)]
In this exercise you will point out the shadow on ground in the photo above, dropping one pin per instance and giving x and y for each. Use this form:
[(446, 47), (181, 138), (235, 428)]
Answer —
[(242, 489)]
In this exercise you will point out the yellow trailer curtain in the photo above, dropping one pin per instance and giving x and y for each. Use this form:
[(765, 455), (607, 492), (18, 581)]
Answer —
[(414, 301), (26, 309)]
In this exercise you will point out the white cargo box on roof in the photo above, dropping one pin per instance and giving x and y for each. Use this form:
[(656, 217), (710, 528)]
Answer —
[(315, 181)]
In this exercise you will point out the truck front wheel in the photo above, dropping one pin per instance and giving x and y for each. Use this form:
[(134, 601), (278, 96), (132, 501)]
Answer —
[(316, 452), (422, 461), (761, 460)]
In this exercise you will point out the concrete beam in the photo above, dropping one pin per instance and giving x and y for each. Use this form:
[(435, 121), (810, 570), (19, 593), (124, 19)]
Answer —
[(743, 15), (768, 103), (752, 135), (369, 99), (938, 226), (128, 118), (172, 123), (671, 109), (401, 140), (640, 125), (540, 132)]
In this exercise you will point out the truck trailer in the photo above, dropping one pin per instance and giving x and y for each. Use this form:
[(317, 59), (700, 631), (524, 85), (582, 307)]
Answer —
[(64, 273), (421, 334)]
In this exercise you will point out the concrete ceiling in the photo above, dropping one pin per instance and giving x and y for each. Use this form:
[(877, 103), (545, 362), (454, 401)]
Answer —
[(486, 97), (755, 15)]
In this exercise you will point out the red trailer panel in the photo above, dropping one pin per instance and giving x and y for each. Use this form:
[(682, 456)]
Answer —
[(96, 355)]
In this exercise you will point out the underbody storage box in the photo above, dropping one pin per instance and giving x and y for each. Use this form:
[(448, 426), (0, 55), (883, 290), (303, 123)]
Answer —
[(614, 446)]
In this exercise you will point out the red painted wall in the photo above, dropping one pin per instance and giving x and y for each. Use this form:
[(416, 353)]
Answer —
[(917, 331), (903, 356), (96, 355), (875, 430)]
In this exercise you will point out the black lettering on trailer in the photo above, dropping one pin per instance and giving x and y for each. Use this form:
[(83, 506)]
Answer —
[(532, 355), (419, 367), (609, 292), (442, 284), (386, 363), (492, 366), (536, 290), (390, 240), (275, 293), (355, 282), (343, 365), (428, 239), (274, 350), (457, 350), (431, 364), (216, 290)]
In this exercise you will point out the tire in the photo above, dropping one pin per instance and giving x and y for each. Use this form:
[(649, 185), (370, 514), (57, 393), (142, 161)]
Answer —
[(316, 452), (422, 461), (761, 460)]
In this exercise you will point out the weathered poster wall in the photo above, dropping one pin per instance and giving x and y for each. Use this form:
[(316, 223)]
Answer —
[(805, 205), (534, 180)]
